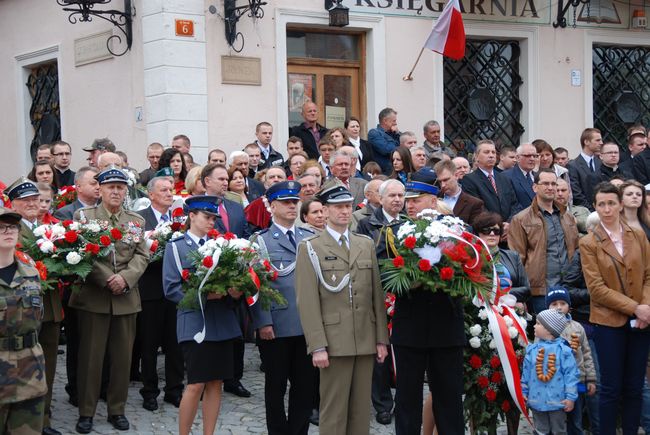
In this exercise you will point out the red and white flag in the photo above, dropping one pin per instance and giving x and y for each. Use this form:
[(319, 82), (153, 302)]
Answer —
[(448, 34)]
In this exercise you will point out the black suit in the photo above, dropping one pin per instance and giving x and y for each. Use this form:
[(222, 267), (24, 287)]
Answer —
[(156, 327), (65, 178), (523, 187), (366, 150), (67, 212), (505, 202), (583, 181), (641, 166), (309, 145), (255, 189)]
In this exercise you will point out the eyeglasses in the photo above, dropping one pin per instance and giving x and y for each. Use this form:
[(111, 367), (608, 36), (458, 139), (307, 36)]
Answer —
[(547, 183), (490, 230), (62, 154), (4, 229), (609, 153), (528, 156)]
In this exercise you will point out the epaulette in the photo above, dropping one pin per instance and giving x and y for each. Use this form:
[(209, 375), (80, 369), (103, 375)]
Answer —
[(175, 239), (260, 232), (315, 236), (363, 235), (306, 229), (133, 214)]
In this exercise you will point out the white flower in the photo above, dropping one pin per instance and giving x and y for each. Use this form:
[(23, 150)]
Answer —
[(492, 344), (73, 258), (46, 246), (165, 230), (428, 252), (428, 214), (177, 234), (74, 226), (58, 230), (239, 244), (482, 314), (405, 230), (40, 230), (475, 330), (475, 342), (513, 332), (508, 321), (93, 227)]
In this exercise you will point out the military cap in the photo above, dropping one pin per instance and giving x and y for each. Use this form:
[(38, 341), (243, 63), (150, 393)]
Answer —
[(337, 194), (165, 172), (22, 188), (7, 214), (112, 174), (103, 144), (205, 203), (284, 191), (422, 183)]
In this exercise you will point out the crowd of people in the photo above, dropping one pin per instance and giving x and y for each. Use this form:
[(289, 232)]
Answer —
[(572, 234)]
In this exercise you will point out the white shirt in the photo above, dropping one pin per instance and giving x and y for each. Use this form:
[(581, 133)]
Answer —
[(588, 159), (450, 201), (617, 239), (284, 230), (357, 146), (337, 236), (388, 217)]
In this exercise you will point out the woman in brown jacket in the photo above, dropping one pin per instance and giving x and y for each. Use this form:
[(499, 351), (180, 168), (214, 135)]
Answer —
[(616, 266)]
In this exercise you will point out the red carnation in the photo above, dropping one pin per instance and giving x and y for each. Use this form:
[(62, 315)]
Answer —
[(496, 377), (19, 246), (410, 242), (267, 265), (483, 381), (424, 265), (490, 395), (468, 236), (446, 273), (398, 261), (475, 362), (208, 262), (92, 248), (60, 205), (274, 276), (105, 240), (213, 234), (495, 362), (185, 275), (505, 406), (66, 223), (42, 270), (177, 212), (229, 236), (70, 236), (116, 234), (176, 226)]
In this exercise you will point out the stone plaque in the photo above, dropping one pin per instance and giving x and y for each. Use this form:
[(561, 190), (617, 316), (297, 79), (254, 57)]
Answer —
[(236, 70), (92, 48)]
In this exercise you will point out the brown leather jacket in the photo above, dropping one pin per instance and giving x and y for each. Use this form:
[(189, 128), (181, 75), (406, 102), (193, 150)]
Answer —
[(616, 285), (527, 236)]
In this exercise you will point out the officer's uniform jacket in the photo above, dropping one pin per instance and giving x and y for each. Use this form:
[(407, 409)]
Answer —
[(129, 259), (22, 371), (277, 248), (352, 321), (220, 319)]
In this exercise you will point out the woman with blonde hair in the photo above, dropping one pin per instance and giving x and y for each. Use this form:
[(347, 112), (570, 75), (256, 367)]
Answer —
[(634, 206), (193, 182)]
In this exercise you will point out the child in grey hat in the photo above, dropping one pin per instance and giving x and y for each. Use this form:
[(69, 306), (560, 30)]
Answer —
[(549, 378)]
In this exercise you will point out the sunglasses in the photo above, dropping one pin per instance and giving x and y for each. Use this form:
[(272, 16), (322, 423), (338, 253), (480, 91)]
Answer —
[(490, 230)]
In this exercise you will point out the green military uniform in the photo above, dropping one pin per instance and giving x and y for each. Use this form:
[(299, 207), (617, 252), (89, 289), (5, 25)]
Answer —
[(22, 364), (107, 322)]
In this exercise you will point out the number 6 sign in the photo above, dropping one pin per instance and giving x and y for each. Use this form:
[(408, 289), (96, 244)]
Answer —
[(184, 28)]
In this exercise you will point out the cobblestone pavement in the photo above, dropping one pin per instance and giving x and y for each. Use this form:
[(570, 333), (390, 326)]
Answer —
[(238, 416)]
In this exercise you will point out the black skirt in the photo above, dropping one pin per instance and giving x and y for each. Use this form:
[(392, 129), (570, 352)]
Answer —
[(208, 361)]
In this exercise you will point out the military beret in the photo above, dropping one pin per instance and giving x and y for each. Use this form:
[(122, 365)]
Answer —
[(165, 172)]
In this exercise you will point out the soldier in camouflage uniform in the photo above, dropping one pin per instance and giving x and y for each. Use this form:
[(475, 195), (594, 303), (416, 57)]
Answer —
[(22, 364)]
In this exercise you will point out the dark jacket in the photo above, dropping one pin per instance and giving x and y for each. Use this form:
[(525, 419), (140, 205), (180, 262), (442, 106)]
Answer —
[(309, 145), (375, 227), (641, 166), (624, 169), (523, 188), (583, 181), (151, 283), (505, 202), (574, 281), (366, 150), (467, 208), (520, 285), (275, 159), (383, 144)]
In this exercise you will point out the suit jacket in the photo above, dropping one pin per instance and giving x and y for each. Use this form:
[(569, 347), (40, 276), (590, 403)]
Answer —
[(523, 188), (641, 166), (129, 260), (505, 203), (281, 253), (467, 208), (356, 189), (383, 144), (352, 321), (366, 151), (583, 181), (309, 145), (146, 175), (150, 284), (360, 214), (614, 299), (220, 319), (67, 212), (255, 189), (236, 220)]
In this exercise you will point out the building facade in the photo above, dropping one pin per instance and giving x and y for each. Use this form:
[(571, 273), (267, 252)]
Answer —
[(522, 77)]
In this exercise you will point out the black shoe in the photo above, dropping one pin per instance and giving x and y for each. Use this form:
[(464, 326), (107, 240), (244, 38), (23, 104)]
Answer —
[(119, 422), (150, 404), (314, 418), (237, 389), (174, 400), (50, 431), (102, 395), (84, 424), (383, 418)]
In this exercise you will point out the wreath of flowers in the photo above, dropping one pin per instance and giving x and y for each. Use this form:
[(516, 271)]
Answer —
[(158, 238)]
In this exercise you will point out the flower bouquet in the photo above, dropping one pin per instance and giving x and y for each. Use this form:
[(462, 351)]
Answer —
[(64, 252), (66, 195), (158, 238), (436, 252), (226, 262)]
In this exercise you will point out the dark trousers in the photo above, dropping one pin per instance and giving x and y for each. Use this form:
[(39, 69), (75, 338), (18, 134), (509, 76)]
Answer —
[(243, 317), (444, 368), (622, 356), (157, 328), (382, 397), (286, 359), (48, 336)]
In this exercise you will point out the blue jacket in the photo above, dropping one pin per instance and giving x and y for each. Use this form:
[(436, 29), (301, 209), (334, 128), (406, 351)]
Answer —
[(383, 144), (220, 320), (284, 318), (523, 188), (548, 396)]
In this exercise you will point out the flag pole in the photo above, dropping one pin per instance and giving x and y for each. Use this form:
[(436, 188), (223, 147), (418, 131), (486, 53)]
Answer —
[(409, 77)]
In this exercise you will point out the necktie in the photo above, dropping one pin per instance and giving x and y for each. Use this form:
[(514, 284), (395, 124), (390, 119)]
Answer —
[(113, 220), (343, 242), (494, 184), (164, 217), (591, 165), (224, 216), (529, 177), (291, 238), (201, 242)]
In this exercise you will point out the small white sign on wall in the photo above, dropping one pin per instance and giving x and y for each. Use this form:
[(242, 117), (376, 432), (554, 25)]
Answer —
[(92, 48), (576, 77)]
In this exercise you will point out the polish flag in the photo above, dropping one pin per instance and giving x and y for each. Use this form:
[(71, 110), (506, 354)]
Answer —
[(448, 34)]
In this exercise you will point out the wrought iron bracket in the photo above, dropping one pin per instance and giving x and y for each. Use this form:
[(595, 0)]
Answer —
[(563, 8), (84, 11), (232, 14)]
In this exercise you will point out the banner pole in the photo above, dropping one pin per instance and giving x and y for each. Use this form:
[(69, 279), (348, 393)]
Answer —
[(409, 77)]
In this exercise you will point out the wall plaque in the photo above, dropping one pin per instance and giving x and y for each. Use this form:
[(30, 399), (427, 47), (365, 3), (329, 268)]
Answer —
[(237, 70), (92, 48)]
